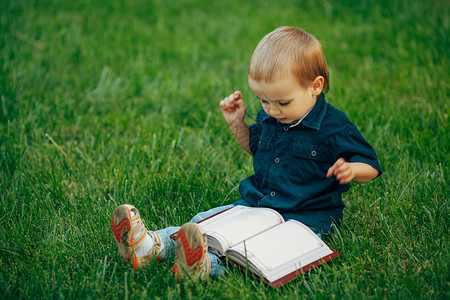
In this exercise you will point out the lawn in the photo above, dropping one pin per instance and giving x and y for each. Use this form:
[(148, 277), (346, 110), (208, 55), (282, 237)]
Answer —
[(112, 102)]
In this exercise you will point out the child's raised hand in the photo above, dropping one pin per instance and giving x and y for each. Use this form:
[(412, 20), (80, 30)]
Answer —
[(342, 170), (233, 107)]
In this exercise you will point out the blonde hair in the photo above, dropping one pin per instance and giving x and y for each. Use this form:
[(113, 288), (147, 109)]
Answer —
[(289, 50)]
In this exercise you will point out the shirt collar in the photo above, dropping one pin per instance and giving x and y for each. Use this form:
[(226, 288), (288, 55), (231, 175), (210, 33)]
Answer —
[(315, 117), (312, 119), (300, 120)]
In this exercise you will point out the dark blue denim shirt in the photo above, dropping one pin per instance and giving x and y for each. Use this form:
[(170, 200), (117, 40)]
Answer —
[(291, 164)]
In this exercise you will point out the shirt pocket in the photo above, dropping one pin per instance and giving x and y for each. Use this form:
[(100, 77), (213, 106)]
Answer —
[(314, 152), (266, 139)]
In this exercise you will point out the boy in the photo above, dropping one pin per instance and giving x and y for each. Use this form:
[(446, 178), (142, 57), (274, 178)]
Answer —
[(305, 154)]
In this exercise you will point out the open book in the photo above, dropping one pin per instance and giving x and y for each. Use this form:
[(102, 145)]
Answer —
[(259, 239)]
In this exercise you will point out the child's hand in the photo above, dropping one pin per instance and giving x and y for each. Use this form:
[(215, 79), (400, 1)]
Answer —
[(352, 171), (342, 170), (233, 108)]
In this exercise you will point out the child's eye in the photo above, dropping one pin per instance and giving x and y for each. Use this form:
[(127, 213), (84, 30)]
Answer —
[(284, 103)]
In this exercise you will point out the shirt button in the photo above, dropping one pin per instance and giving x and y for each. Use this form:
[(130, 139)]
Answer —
[(272, 194), (313, 153), (277, 160)]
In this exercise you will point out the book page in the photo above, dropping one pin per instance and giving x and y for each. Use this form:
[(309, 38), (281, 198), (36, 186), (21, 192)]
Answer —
[(281, 250), (240, 223), (282, 244)]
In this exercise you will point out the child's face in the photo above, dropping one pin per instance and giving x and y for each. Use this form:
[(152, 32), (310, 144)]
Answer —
[(285, 99)]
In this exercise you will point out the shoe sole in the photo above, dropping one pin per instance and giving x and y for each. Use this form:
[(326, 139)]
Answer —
[(122, 216), (191, 253)]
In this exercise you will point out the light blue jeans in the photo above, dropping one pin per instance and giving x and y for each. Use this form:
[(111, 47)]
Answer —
[(217, 268)]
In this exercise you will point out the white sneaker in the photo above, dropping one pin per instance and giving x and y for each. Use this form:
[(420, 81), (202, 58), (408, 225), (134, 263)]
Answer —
[(129, 233), (191, 253)]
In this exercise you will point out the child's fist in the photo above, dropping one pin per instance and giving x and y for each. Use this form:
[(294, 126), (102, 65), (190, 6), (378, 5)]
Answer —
[(231, 102), (342, 170), (233, 108)]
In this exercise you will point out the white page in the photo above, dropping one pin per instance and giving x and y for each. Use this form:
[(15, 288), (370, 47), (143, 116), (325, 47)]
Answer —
[(275, 247), (240, 223)]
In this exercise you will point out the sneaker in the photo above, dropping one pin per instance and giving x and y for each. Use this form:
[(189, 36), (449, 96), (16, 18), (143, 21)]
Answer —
[(191, 257), (125, 228)]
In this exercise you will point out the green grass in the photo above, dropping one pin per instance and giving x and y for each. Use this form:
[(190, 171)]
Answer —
[(109, 102)]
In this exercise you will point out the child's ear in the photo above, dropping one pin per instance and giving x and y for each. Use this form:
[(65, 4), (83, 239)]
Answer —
[(317, 85)]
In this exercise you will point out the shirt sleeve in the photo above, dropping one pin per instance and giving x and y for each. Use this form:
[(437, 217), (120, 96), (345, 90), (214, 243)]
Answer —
[(255, 133), (356, 149)]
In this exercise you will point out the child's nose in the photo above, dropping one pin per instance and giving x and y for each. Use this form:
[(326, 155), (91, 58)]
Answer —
[(273, 111)]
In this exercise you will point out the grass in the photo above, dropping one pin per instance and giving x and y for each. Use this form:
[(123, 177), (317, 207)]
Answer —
[(104, 103)]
